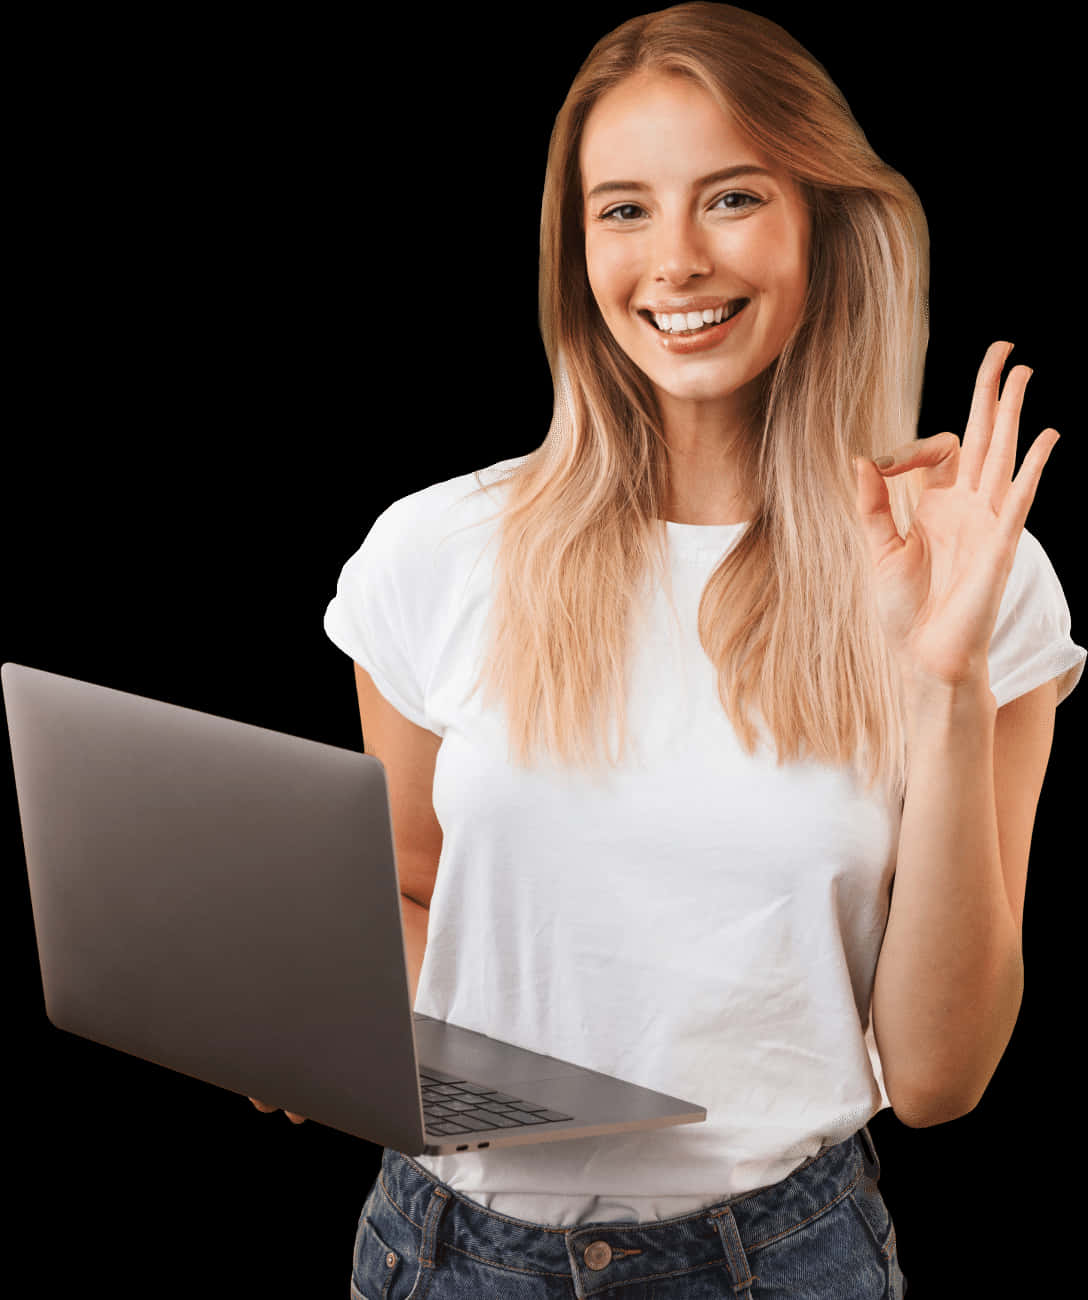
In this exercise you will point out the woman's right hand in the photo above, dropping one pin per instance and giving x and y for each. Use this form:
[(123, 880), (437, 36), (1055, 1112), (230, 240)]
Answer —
[(271, 1110)]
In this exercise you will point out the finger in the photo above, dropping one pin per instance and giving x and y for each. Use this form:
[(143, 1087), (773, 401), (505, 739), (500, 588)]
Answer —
[(874, 508), (295, 1119), (1001, 456), (263, 1106), (938, 457), (980, 422), (1021, 494)]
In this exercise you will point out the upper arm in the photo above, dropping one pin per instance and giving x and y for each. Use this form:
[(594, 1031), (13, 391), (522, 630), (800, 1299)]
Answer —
[(408, 753), (1023, 734)]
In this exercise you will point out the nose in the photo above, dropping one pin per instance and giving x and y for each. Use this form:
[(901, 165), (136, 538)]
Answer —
[(681, 252)]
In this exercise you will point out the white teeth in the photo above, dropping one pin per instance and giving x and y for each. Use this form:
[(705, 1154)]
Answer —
[(681, 322)]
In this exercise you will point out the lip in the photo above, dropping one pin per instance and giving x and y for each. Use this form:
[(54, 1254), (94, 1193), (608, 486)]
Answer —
[(698, 342), (688, 304)]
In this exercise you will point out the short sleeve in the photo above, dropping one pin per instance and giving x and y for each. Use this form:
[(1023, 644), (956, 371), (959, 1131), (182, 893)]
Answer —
[(1032, 639), (373, 616)]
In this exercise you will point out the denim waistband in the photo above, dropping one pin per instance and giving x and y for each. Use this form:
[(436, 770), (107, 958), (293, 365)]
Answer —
[(741, 1224)]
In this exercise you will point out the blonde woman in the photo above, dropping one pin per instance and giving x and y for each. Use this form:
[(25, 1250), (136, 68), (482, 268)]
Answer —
[(667, 706)]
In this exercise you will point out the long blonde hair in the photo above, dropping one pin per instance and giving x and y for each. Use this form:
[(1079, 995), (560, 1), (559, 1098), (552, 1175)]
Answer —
[(788, 616)]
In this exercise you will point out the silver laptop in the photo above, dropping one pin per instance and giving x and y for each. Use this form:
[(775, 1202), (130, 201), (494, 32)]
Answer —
[(222, 900)]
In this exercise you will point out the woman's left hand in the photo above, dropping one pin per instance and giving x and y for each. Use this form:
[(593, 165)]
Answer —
[(939, 588)]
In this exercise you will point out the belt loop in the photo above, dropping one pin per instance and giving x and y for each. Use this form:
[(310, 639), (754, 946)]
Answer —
[(440, 1200), (743, 1281)]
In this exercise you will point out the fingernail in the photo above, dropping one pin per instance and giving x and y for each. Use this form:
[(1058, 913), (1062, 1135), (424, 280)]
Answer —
[(884, 462)]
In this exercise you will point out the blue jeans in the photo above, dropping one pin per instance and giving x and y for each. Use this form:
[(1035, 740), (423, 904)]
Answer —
[(823, 1233)]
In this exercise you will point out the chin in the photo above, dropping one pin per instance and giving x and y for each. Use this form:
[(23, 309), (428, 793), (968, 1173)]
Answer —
[(715, 384)]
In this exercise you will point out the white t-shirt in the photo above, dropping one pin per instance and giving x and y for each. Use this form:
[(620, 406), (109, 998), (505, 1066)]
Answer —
[(699, 921)]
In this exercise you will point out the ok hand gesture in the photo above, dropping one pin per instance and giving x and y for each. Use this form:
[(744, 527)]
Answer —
[(939, 588)]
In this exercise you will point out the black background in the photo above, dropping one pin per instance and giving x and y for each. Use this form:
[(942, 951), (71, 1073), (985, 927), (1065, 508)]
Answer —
[(213, 390)]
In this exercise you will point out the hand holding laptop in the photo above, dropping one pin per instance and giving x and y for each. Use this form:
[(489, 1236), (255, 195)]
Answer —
[(271, 1110)]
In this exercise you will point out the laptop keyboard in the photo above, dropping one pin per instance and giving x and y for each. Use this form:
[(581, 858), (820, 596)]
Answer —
[(454, 1105)]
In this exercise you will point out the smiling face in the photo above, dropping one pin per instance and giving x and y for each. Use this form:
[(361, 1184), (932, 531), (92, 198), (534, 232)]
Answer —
[(682, 214)]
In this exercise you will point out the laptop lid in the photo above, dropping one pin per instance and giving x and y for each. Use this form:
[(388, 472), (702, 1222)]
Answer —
[(206, 896)]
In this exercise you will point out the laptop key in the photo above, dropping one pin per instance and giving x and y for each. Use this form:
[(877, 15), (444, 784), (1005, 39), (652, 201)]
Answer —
[(438, 1076), (488, 1119)]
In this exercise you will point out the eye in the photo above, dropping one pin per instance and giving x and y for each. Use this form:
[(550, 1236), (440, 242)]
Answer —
[(746, 201), (610, 215)]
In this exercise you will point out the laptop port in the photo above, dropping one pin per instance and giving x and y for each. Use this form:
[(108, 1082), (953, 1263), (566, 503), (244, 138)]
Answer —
[(463, 1147), (480, 1145)]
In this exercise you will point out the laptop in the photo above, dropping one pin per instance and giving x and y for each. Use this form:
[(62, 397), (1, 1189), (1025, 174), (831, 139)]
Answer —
[(222, 900)]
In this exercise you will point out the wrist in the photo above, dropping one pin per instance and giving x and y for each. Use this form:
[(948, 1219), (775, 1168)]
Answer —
[(966, 699)]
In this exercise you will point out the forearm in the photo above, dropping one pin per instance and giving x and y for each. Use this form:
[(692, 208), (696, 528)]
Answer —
[(415, 917), (950, 976)]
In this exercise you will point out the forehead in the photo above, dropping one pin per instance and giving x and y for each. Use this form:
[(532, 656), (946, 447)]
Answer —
[(662, 123)]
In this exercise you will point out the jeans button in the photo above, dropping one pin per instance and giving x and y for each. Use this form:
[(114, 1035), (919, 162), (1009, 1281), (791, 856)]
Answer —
[(390, 1260), (598, 1255)]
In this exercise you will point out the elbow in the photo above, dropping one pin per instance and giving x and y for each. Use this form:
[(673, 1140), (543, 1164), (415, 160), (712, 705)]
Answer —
[(960, 1084), (929, 1116), (930, 1109)]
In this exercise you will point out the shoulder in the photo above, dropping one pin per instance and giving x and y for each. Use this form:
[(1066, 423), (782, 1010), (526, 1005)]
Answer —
[(409, 579), (438, 512)]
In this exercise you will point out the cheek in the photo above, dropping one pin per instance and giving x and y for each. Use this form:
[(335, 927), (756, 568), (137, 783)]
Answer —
[(783, 272), (776, 260), (610, 275)]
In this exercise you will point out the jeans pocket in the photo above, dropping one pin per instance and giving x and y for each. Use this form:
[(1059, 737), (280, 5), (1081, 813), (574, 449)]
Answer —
[(379, 1272)]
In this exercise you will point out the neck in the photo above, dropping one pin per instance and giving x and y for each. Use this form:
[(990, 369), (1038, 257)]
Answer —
[(704, 479), (704, 442)]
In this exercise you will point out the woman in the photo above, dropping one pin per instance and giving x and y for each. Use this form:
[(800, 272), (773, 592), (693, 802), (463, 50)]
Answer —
[(742, 671)]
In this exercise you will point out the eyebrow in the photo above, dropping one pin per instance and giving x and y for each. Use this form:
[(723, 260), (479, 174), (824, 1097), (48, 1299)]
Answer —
[(726, 174)]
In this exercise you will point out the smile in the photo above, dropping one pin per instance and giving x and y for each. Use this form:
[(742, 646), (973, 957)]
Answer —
[(692, 322), (705, 335)]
